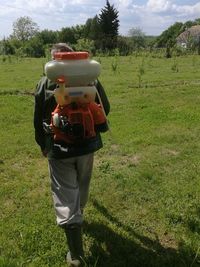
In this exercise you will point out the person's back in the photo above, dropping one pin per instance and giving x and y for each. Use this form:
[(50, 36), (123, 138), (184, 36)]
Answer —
[(70, 157)]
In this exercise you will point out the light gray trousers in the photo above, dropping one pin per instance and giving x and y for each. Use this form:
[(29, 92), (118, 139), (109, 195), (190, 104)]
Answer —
[(70, 180)]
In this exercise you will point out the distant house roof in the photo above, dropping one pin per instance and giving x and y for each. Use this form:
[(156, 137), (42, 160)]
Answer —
[(194, 32)]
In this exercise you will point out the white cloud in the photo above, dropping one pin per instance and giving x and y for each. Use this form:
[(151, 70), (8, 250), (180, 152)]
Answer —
[(124, 3), (152, 16), (157, 15), (159, 5), (188, 10)]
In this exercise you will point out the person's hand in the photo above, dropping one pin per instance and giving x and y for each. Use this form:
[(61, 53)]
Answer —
[(44, 153)]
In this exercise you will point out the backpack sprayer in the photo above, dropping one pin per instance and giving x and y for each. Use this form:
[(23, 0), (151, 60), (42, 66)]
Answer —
[(77, 114)]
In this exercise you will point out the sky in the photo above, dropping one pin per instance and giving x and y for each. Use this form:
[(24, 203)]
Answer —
[(151, 16)]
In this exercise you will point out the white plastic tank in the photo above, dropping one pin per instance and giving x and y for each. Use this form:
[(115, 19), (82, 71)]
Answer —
[(76, 68)]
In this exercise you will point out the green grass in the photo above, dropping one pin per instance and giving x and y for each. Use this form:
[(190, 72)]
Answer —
[(20, 74), (144, 206)]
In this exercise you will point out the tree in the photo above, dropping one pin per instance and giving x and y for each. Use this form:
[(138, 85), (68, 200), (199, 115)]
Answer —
[(188, 24), (78, 31), (48, 36), (92, 29), (168, 37), (124, 45), (109, 25), (34, 48), (6, 47), (137, 37), (67, 35), (24, 28), (197, 21), (71, 35), (85, 45)]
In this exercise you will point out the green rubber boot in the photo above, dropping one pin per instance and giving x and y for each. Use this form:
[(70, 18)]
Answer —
[(74, 238)]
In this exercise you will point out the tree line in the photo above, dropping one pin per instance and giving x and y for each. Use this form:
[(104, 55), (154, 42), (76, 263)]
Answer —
[(99, 35)]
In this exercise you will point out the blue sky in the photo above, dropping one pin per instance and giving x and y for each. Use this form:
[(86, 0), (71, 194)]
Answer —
[(151, 16)]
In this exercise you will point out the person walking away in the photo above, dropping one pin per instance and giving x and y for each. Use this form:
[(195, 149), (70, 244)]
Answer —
[(70, 165)]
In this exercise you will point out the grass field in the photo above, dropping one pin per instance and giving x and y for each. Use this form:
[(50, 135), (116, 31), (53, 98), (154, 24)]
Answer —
[(144, 206)]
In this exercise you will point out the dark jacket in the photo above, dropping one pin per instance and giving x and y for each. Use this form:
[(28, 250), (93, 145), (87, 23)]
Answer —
[(44, 105)]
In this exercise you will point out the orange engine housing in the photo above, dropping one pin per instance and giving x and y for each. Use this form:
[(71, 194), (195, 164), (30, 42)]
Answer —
[(76, 114)]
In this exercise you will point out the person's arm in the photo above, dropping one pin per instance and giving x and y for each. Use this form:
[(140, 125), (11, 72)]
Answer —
[(100, 122), (103, 96), (39, 113)]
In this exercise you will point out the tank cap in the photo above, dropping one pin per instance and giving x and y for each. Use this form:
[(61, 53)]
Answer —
[(71, 55)]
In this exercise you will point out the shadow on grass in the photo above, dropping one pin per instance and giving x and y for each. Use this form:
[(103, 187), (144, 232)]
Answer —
[(126, 248), (193, 222)]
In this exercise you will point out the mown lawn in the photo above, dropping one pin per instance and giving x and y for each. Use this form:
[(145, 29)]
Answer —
[(144, 206)]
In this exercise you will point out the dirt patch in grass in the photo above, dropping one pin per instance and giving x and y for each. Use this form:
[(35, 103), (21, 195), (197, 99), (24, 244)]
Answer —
[(170, 152), (167, 241), (132, 160)]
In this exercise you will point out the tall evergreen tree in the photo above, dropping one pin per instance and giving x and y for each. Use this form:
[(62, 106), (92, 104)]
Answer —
[(109, 25)]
